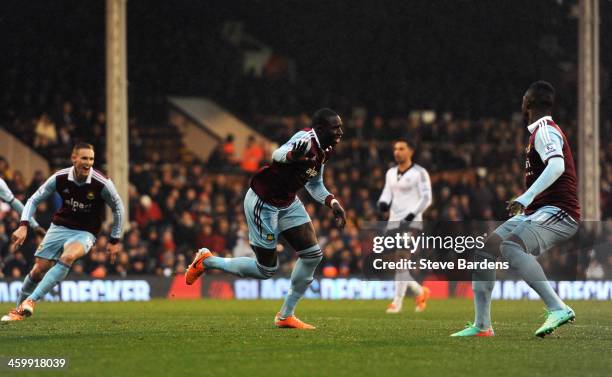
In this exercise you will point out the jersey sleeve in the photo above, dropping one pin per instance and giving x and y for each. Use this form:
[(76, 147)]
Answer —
[(424, 191), (41, 194), (5, 192), (387, 195), (554, 169), (548, 143), (112, 198), (280, 154), (316, 188)]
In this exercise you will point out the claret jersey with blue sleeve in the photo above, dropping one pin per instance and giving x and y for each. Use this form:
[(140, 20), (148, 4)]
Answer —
[(83, 203), (278, 183)]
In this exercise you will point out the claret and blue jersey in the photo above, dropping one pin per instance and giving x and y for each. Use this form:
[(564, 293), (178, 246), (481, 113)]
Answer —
[(82, 202), (278, 183), (271, 206)]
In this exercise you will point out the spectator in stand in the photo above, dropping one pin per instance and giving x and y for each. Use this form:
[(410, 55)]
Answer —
[(207, 237), (45, 132), (252, 156), (229, 150), (66, 123), (15, 265), (147, 213), (5, 170)]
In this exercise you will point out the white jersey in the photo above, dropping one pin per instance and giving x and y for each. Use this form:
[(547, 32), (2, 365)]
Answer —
[(407, 193)]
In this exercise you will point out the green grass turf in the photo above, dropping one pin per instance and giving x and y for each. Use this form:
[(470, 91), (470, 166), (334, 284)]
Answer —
[(353, 338)]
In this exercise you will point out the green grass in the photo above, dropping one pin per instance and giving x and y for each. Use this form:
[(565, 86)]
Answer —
[(353, 338)]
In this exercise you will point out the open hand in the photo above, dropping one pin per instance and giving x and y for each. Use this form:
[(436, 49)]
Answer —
[(299, 151), (19, 235), (339, 214)]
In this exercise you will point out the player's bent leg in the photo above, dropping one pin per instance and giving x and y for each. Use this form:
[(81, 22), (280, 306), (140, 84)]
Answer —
[(549, 226), (48, 252), (518, 252), (303, 239), (246, 267), (262, 223), (261, 268), (301, 277), (57, 273), (515, 250), (38, 271)]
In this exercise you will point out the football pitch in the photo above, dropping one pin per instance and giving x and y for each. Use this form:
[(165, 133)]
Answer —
[(353, 338)]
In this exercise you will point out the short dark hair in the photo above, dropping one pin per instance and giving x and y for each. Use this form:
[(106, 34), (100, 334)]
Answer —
[(321, 117), (81, 145), (542, 95), (409, 142)]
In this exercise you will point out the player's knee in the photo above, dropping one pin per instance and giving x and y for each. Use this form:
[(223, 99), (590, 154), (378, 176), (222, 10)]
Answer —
[(37, 272), (40, 268), (314, 261), (267, 272), (265, 257), (312, 253), (69, 258), (71, 253), (509, 247), (492, 245)]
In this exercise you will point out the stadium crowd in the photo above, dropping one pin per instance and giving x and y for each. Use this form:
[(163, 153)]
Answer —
[(175, 208)]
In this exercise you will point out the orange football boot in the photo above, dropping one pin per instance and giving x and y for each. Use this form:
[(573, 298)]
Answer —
[(196, 268), (13, 315), (27, 307), (291, 322), (421, 300)]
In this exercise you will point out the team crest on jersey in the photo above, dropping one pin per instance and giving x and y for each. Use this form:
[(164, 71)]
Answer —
[(311, 172), (90, 195), (528, 149), (270, 237)]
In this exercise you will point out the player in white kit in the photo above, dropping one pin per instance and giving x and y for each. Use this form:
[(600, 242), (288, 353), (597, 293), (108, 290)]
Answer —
[(406, 195)]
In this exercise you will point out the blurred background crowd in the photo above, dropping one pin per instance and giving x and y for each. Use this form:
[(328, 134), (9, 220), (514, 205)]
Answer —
[(463, 114)]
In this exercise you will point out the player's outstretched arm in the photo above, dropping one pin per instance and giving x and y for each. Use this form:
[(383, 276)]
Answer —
[(113, 200), (295, 150)]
